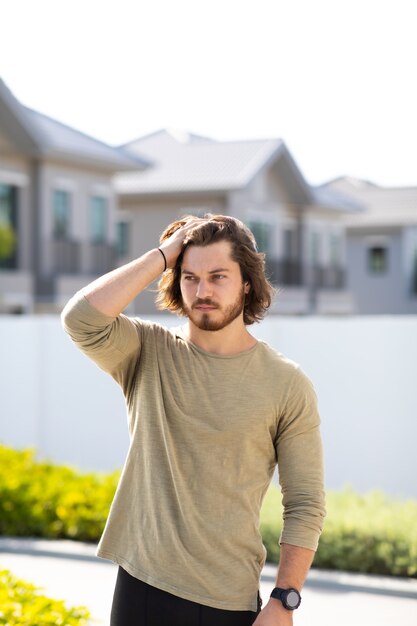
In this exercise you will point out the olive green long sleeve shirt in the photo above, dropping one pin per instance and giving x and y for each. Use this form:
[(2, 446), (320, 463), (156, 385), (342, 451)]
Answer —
[(206, 433)]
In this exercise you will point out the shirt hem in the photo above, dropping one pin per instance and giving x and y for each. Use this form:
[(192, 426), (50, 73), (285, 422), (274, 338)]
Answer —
[(150, 580)]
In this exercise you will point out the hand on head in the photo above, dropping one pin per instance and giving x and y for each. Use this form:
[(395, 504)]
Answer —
[(172, 239)]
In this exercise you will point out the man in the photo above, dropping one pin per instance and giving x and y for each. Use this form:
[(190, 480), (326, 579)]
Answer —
[(211, 411)]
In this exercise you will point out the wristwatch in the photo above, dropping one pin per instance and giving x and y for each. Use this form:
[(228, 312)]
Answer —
[(290, 598)]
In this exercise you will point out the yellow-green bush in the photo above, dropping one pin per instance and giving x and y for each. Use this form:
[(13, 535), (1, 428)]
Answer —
[(362, 533), (46, 500), (22, 604)]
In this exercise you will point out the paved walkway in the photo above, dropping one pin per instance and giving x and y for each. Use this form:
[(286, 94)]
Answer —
[(70, 571)]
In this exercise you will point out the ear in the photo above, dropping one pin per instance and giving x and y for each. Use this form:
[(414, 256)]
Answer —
[(247, 286)]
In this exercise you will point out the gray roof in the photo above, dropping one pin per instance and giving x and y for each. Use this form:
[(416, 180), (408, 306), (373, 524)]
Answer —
[(57, 139), (329, 198), (184, 163), (46, 137), (384, 206)]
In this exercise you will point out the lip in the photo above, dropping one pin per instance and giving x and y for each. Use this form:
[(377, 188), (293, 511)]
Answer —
[(205, 307)]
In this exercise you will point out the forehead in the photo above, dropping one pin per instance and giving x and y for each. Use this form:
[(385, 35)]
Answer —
[(210, 257)]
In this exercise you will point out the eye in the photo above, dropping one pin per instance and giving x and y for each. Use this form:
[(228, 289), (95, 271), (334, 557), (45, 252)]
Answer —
[(189, 278), (219, 276)]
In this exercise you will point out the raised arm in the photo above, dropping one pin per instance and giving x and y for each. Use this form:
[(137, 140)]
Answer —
[(111, 293)]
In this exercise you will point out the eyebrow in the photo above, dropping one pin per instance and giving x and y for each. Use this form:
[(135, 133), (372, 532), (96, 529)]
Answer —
[(217, 271)]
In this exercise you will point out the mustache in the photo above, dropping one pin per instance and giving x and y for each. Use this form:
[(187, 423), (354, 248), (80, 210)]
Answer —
[(206, 301)]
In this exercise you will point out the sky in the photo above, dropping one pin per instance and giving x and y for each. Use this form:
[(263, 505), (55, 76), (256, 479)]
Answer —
[(335, 79)]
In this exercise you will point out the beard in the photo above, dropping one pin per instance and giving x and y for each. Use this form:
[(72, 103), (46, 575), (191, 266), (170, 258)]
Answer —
[(205, 321)]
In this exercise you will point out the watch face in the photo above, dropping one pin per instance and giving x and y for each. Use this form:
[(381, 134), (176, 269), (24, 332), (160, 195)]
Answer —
[(292, 599)]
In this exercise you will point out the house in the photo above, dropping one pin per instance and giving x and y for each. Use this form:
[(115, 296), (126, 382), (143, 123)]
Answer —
[(381, 246), (79, 208), (300, 228), (57, 195)]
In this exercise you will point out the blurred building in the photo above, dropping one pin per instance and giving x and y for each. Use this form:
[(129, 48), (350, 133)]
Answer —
[(381, 246), (79, 207), (57, 196), (300, 228)]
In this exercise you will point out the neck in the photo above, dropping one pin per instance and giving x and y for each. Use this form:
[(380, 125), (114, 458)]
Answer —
[(232, 339)]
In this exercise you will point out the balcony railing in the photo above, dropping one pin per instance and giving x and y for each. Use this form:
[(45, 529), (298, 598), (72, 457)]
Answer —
[(98, 258), (287, 272), (329, 277), (284, 272), (66, 256), (102, 258)]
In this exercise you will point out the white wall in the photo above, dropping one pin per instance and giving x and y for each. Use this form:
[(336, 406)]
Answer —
[(363, 368), (364, 371)]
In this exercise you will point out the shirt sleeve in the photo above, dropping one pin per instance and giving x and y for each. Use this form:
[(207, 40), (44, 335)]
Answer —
[(300, 465), (113, 343)]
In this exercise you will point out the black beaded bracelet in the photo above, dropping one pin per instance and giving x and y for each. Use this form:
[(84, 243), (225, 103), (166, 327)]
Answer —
[(165, 259)]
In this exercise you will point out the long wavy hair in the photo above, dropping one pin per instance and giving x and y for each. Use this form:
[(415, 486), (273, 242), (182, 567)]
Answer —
[(214, 228)]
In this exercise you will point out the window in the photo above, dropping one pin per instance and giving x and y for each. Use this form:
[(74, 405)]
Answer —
[(290, 244), (315, 248), (61, 214), (335, 251), (261, 232), (414, 275), (378, 259), (8, 222), (98, 219), (122, 239)]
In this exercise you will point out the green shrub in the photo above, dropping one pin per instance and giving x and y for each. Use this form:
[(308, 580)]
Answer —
[(46, 500), (362, 533), (22, 604)]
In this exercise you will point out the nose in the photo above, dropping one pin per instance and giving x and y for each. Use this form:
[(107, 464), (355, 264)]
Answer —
[(204, 289)]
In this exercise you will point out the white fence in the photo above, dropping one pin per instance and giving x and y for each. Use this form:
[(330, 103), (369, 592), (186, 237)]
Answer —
[(364, 370)]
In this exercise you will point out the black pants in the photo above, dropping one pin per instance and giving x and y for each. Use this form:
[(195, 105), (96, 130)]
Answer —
[(137, 604)]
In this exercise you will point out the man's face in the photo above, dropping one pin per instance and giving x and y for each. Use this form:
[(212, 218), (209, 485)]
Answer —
[(213, 293)]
